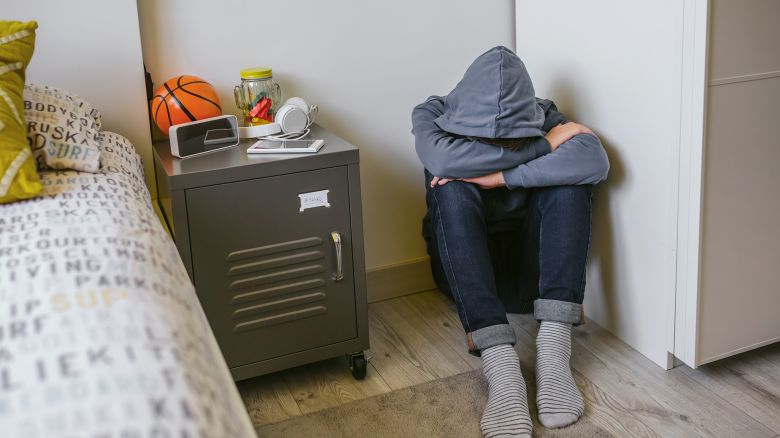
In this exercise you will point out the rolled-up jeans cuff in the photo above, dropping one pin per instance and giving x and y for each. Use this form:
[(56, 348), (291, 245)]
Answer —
[(560, 311), (491, 336)]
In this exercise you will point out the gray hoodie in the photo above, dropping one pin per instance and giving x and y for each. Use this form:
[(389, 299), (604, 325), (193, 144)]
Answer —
[(496, 99)]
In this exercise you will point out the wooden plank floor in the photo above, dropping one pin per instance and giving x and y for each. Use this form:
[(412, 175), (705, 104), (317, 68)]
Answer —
[(418, 338)]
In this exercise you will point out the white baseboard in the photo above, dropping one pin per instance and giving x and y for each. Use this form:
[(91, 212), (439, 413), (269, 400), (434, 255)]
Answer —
[(398, 279)]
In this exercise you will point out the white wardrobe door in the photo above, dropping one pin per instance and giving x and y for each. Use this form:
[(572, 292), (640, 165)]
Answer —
[(740, 258)]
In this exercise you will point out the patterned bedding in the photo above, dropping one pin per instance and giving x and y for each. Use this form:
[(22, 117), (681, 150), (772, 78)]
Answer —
[(101, 333)]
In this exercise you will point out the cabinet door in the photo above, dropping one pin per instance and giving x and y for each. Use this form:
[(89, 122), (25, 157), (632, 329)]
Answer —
[(265, 263)]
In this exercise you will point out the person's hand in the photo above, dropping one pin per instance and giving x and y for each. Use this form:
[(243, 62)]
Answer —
[(489, 181), (436, 181), (563, 133)]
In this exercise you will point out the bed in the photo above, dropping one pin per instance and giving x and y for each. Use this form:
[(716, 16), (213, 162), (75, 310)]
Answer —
[(101, 333)]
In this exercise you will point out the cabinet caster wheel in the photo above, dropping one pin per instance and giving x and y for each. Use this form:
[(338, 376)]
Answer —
[(358, 365)]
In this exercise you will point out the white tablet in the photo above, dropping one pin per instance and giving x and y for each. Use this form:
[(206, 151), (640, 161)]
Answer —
[(286, 146)]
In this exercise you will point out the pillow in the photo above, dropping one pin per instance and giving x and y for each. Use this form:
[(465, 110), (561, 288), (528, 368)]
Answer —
[(117, 155), (68, 100), (18, 176), (60, 134)]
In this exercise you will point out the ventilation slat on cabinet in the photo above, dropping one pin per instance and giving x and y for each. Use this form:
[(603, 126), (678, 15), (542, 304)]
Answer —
[(273, 249), (276, 262), (271, 306), (277, 276), (270, 292), (279, 319)]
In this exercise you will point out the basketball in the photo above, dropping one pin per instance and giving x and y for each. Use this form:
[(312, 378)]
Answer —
[(184, 99)]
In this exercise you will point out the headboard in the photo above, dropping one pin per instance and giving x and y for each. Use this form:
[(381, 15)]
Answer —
[(93, 48)]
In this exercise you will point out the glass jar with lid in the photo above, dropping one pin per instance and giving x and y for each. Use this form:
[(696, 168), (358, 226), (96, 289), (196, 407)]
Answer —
[(257, 96)]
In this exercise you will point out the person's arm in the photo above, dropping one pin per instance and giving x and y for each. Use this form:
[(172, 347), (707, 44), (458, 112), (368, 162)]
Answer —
[(448, 155), (580, 160), (557, 137)]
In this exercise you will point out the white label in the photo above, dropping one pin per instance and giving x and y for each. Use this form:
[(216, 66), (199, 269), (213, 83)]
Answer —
[(314, 199)]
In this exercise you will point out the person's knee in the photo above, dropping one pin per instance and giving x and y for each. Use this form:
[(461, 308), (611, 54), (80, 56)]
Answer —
[(573, 197), (568, 193), (456, 195)]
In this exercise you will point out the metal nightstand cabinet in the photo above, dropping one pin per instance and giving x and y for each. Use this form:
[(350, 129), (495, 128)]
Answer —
[(251, 242), (274, 246)]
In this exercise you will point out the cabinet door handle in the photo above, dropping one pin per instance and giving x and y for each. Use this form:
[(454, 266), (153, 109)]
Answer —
[(339, 262)]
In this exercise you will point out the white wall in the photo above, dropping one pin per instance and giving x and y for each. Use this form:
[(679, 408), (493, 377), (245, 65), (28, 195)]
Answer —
[(616, 67), (366, 63), (98, 59)]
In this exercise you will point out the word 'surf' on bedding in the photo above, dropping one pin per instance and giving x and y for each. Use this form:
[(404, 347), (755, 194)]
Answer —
[(101, 333)]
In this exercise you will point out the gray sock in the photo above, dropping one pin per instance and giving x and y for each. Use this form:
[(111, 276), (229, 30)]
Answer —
[(557, 397), (506, 412)]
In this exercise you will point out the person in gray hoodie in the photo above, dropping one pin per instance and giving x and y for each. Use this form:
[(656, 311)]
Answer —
[(496, 156)]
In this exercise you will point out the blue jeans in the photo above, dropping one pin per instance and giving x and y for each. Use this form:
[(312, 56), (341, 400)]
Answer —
[(554, 225)]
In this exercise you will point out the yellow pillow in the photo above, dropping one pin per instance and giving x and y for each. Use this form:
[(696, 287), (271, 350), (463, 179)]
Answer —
[(18, 174)]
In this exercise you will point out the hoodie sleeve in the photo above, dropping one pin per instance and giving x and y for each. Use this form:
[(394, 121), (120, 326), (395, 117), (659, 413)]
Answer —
[(448, 155), (552, 117), (581, 160)]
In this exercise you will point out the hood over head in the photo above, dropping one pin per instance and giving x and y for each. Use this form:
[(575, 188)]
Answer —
[(495, 99)]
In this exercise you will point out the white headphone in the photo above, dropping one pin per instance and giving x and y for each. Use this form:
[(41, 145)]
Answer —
[(294, 118)]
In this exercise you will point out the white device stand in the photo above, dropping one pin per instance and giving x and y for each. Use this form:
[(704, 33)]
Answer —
[(173, 135), (259, 131), (292, 122)]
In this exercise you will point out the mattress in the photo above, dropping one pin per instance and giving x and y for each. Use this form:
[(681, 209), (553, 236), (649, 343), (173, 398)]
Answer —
[(101, 332)]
